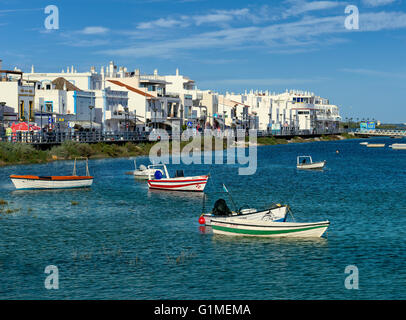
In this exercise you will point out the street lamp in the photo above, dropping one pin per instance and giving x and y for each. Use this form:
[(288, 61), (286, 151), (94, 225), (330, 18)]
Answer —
[(2, 104), (91, 108), (126, 119)]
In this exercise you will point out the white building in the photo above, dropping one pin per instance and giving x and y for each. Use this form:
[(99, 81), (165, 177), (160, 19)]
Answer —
[(285, 112), (151, 100), (18, 95), (60, 104)]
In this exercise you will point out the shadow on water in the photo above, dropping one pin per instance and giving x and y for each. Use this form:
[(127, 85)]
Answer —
[(175, 194), (241, 240)]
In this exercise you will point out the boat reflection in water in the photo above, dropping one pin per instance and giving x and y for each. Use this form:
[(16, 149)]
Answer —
[(42, 191), (175, 194), (205, 230)]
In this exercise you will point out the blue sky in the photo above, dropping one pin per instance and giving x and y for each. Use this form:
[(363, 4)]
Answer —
[(226, 45)]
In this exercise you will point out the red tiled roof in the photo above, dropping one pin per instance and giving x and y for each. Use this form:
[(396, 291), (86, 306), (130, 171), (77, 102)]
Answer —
[(245, 105), (119, 83)]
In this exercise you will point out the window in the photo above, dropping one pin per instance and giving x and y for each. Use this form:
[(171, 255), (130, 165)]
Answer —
[(31, 111), (49, 106), (21, 111)]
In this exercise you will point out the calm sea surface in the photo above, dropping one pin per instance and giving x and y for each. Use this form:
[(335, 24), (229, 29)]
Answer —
[(121, 241)]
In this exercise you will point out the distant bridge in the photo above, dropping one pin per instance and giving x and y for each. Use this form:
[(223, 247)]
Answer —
[(380, 132)]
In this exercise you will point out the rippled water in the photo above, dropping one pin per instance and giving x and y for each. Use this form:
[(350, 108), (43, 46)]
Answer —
[(122, 241)]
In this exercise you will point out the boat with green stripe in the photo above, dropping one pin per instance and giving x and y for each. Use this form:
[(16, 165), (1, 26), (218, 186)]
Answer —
[(268, 228)]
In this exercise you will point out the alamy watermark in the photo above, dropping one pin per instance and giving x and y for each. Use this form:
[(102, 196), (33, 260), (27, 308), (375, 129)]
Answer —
[(52, 280), (52, 20), (352, 280), (351, 21), (200, 148)]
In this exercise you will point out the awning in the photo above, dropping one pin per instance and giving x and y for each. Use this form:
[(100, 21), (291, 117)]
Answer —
[(23, 126)]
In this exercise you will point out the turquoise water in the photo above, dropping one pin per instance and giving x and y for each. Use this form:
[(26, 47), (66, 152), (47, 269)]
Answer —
[(121, 241)]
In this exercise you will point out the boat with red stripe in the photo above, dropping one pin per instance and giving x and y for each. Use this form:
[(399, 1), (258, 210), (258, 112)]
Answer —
[(163, 181)]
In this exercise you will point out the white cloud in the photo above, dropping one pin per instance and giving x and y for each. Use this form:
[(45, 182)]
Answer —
[(216, 17), (299, 7), (375, 73), (306, 34), (377, 3), (94, 30), (162, 23), (377, 21)]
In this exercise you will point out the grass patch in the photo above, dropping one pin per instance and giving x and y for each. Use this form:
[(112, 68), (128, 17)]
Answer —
[(16, 153), (270, 141)]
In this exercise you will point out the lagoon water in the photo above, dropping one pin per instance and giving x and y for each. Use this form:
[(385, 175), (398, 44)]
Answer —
[(121, 241)]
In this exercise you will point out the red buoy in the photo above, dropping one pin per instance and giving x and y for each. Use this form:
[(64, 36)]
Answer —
[(202, 220)]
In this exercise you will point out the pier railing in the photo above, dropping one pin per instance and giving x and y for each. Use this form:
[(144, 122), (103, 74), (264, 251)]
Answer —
[(55, 137), (81, 136), (380, 132)]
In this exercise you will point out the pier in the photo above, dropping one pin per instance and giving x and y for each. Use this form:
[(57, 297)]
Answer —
[(380, 133)]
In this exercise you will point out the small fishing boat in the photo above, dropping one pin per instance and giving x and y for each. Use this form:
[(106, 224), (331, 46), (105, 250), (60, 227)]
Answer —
[(160, 179), (28, 182), (398, 146), (275, 212), (238, 227), (143, 172), (262, 223), (375, 145), (306, 162)]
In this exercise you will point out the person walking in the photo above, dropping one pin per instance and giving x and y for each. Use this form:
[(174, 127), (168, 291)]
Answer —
[(9, 131)]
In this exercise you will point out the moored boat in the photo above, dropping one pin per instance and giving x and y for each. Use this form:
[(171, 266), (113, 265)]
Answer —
[(238, 227), (53, 182), (375, 145), (306, 162), (163, 181), (143, 172), (398, 146)]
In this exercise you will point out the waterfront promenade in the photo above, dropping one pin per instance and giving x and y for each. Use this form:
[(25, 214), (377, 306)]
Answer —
[(49, 139)]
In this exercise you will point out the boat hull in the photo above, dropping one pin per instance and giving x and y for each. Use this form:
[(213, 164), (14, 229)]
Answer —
[(375, 145), (269, 229), (398, 146), (196, 184), (53, 182), (276, 214), (314, 165)]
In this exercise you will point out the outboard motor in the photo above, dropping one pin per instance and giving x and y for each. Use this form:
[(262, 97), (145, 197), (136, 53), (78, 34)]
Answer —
[(221, 208)]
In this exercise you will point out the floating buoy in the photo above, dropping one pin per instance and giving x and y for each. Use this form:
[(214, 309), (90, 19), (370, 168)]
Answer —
[(337, 151), (202, 220)]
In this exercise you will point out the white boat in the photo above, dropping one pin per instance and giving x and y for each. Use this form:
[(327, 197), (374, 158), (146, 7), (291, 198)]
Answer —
[(398, 146), (28, 182), (306, 162), (143, 172), (163, 181), (276, 212), (375, 145), (364, 143), (238, 227)]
